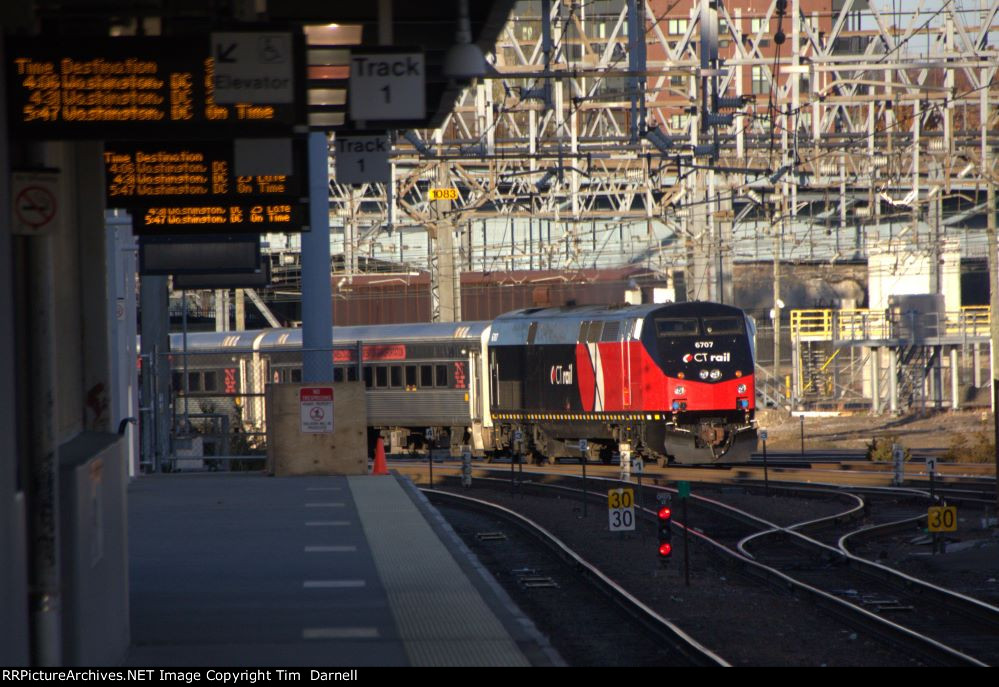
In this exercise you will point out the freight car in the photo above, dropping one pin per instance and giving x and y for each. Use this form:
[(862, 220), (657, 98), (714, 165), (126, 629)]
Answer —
[(673, 383)]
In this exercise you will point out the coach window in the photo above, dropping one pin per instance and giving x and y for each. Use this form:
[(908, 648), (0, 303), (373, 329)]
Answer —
[(440, 375), (352, 373), (178, 382), (411, 376), (338, 374), (426, 376), (296, 375), (381, 376), (211, 381), (367, 376), (395, 376), (194, 381)]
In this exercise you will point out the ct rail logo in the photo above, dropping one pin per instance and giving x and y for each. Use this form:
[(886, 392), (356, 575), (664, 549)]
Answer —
[(708, 357), (561, 374)]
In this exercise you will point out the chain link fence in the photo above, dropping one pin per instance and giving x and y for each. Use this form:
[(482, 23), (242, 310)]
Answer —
[(215, 409)]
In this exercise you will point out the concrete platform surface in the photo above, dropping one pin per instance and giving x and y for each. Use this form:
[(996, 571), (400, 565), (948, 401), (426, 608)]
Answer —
[(248, 570)]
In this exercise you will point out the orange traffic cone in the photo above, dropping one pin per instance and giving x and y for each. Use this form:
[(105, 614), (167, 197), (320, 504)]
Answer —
[(380, 468)]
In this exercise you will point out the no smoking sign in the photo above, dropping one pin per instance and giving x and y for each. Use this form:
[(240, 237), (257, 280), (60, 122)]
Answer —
[(35, 210), (316, 409)]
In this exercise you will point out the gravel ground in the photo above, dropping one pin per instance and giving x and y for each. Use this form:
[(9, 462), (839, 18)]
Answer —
[(587, 628), (969, 563), (747, 622), (931, 430)]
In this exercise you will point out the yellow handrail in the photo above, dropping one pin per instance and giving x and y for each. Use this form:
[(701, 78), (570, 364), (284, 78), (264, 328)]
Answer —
[(854, 324)]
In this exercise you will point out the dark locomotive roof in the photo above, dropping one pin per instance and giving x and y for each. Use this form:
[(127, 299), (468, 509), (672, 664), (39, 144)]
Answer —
[(562, 325)]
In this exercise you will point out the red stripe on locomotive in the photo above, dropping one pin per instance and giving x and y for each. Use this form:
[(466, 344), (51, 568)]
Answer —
[(632, 382)]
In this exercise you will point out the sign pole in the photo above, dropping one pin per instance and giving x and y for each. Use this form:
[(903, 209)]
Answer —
[(766, 481), (683, 491), (686, 545), (512, 475)]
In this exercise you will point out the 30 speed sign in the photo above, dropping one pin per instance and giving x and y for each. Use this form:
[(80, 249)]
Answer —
[(941, 518), (621, 509)]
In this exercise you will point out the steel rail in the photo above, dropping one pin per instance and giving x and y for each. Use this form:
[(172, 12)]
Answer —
[(846, 611), (684, 643)]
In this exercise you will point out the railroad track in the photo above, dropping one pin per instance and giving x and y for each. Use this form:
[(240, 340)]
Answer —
[(944, 627), (687, 650)]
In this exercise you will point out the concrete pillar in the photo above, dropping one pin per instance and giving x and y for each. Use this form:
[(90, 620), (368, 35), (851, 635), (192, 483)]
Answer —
[(122, 266), (13, 552), (955, 380), (154, 418), (317, 299)]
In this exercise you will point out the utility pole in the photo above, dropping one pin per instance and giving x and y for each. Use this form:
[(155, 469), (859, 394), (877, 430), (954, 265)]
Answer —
[(990, 209), (778, 228)]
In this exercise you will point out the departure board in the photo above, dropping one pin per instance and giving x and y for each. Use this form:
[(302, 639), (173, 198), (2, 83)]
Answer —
[(138, 173), (149, 88), (219, 218)]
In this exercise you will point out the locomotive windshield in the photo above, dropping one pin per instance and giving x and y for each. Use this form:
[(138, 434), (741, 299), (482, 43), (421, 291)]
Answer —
[(723, 325), (677, 326)]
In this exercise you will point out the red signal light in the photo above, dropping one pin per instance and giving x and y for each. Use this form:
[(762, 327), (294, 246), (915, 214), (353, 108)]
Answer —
[(665, 549), (665, 513)]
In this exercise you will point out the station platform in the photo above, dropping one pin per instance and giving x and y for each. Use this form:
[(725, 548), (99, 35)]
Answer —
[(338, 572)]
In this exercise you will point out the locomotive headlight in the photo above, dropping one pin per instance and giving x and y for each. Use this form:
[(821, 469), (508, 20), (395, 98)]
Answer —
[(679, 391), (703, 374), (741, 389), (716, 373)]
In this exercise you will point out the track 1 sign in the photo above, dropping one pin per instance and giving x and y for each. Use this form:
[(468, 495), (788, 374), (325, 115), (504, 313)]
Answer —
[(387, 86), (316, 409)]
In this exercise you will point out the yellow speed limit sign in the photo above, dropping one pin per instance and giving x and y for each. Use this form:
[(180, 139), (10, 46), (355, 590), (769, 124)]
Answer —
[(941, 518), (621, 509)]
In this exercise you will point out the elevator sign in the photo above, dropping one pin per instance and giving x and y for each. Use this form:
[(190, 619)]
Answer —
[(316, 409), (253, 67)]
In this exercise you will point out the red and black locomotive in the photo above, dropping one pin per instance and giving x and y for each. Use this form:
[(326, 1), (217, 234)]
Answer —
[(671, 382)]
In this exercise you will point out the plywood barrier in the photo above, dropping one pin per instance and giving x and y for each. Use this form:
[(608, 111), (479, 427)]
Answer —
[(296, 441)]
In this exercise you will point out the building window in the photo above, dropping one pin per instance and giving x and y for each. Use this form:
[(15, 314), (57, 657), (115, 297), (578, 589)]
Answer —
[(677, 27), (677, 122), (756, 25), (761, 84)]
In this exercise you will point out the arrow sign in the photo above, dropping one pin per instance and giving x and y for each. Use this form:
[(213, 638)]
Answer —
[(223, 53), (253, 68)]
